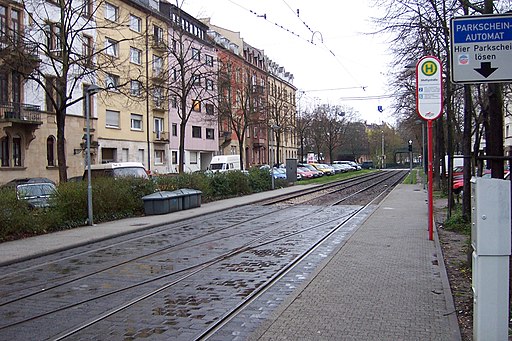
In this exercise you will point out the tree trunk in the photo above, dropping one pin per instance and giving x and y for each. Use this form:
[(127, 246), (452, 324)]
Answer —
[(61, 145)]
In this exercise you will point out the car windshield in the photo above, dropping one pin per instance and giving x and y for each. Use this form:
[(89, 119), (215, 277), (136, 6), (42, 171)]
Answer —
[(35, 190), (216, 166), (137, 172)]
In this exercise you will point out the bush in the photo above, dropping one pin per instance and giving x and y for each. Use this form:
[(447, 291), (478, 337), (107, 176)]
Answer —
[(457, 223), (118, 198)]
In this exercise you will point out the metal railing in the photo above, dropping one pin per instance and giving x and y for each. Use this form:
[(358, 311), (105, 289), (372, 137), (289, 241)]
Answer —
[(20, 111)]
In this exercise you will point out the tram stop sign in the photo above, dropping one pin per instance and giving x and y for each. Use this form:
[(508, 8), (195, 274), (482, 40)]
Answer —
[(429, 87)]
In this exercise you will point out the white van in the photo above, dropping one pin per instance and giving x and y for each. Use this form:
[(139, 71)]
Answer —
[(117, 170), (224, 163)]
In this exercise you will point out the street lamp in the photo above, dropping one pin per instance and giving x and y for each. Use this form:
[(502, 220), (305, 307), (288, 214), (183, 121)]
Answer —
[(91, 90)]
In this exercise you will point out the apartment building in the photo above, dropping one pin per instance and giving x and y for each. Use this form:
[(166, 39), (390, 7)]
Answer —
[(242, 112), (38, 90), (133, 114), (192, 91), (282, 114)]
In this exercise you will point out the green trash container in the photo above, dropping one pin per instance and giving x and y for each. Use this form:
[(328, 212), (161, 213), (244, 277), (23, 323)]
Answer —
[(194, 197), (156, 203), (191, 198)]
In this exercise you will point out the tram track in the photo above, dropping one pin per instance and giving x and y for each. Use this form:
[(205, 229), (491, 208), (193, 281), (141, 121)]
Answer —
[(286, 233)]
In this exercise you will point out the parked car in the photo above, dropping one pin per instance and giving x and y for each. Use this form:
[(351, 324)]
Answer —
[(36, 192), (326, 169), (367, 165), (339, 168), (118, 170), (305, 173), (279, 173), (349, 165), (315, 171)]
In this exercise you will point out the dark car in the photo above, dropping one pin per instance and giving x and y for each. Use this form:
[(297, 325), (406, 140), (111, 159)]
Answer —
[(37, 192)]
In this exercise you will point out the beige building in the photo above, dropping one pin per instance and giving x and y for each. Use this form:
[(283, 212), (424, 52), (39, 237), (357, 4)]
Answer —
[(282, 114), (131, 111)]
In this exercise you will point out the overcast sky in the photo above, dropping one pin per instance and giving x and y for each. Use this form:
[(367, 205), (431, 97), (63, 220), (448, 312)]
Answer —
[(333, 72)]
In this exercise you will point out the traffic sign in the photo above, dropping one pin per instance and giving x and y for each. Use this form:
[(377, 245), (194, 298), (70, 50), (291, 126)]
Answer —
[(429, 87), (481, 49)]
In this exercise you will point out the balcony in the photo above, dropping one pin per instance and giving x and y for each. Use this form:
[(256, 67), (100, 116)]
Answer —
[(159, 104), (25, 117), (158, 43), (18, 54), (258, 89), (259, 142), (158, 75), (21, 113), (161, 136)]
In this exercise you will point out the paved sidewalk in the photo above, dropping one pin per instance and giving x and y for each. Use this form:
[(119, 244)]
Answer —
[(388, 282)]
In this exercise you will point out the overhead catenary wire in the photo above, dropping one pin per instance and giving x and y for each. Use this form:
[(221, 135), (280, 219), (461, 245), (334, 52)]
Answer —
[(313, 33)]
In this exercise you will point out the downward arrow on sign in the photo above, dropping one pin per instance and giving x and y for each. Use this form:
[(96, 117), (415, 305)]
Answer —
[(485, 69)]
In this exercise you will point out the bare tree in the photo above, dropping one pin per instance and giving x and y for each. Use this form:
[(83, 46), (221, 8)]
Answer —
[(242, 101), (63, 56), (192, 82)]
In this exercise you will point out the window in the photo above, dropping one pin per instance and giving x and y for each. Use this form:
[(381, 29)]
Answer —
[(124, 154), (135, 23), (209, 109), (208, 60), (159, 157), (87, 51), (4, 88), (15, 25), (54, 42), (196, 132), (16, 151), (87, 8), (174, 102), (193, 158), (196, 105), (210, 134), (111, 81), (158, 96), (112, 119), (158, 126), (174, 157), (140, 155), (209, 84), (111, 47), (158, 34), (4, 144), (174, 129), (111, 12), (196, 80), (136, 122), (3, 23), (135, 55), (135, 88), (196, 54), (158, 64), (51, 93), (50, 151)]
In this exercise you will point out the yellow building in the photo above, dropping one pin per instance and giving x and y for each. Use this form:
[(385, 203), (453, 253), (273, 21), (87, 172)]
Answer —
[(132, 110), (282, 114)]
